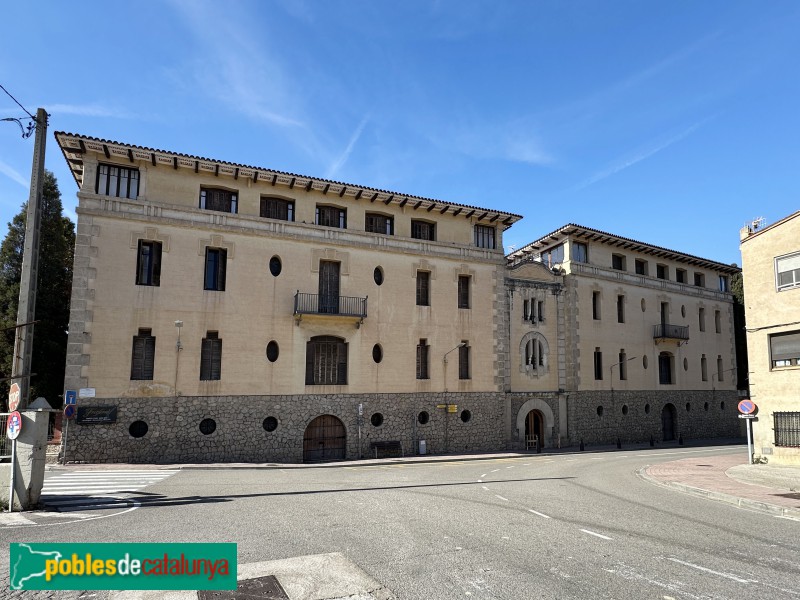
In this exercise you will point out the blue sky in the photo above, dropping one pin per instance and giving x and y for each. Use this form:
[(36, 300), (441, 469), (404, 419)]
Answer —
[(670, 122)]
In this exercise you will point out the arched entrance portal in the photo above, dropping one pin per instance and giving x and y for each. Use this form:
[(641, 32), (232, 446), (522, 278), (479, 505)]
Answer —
[(534, 430), (535, 417), (669, 422), (325, 439)]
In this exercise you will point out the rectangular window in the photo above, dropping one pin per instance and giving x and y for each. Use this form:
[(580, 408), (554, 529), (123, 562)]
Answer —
[(662, 271), (326, 361), (596, 306), (598, 364), (717, 321), (699, 280), (422, 359), (219, 200), (485, 237), (143, 357), (618, 262), (701, 318), (277, 208), (331, 216), (623, 365), (579, 252), (211, 357), (121, 182), (148, 263), (720, 372), (216, 259), (423, 288), (620, 309), (376, 223), (554, 256), (724, 283), (463, 291), (422, 230), (787, 429), (784, 349), (526, 310), (641, 267), (463, 361), (540, 310), (787, 271), (704, 368), (680, 276)]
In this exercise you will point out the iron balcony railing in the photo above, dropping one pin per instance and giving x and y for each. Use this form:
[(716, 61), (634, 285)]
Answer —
[(672, 332), (341, 306)]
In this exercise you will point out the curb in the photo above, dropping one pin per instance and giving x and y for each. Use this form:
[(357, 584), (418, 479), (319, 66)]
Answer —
[(763, 507)]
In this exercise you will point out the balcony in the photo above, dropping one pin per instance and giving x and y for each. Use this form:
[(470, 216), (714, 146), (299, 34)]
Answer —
[(665, 331), (330, 306)]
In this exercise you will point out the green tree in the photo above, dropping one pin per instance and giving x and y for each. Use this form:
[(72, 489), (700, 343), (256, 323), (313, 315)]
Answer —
[(56, 244), (739, 334)]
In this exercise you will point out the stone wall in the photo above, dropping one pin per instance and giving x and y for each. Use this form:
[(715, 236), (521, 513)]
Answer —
[(634, 416)]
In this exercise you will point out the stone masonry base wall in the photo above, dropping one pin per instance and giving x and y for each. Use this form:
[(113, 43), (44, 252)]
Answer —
[(174, 436)]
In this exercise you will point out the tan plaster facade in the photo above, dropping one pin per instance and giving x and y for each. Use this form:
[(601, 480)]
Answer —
[(774, 389)]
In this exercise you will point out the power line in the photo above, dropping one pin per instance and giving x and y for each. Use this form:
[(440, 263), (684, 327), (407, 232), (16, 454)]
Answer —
[(17, 101)]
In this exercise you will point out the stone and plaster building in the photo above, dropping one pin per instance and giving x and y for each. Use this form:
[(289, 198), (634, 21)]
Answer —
[(771, 274), (224, 312), (647, 339)]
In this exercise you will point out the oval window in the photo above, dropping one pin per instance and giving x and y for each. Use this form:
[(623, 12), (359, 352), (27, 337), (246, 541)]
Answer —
[(138, 429), (208, 426), (376, 419), (378, 275), (644, 362), (272, 351), (647, 409), (275, 266), (423, 417), (270, 424), (377, 353), (624, 409), (466, 416), (599, 411)]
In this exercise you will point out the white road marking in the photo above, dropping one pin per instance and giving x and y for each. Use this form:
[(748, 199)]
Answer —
[(484, 487), (786, 517), (511, 467), (600, 535), (495, 471), (484, 475), (501, 498), (707, 570), (480, 480), (530, 510), (596, 458)]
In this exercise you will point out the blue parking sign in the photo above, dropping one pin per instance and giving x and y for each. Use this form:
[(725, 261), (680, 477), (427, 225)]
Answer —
[(70, 397)]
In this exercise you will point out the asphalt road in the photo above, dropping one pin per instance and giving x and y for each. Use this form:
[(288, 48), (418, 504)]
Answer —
[(569, 526)]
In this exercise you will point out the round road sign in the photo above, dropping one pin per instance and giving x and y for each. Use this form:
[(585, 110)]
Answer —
[(13, 397), (69, 411), (14, 425), (747, 407)]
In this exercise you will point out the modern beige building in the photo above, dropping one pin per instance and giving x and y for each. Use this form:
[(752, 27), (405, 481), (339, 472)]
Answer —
[(224, 312), (771, 273), (648, 338)]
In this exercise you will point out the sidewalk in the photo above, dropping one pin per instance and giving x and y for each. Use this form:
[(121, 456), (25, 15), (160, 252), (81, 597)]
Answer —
[(774, 489)]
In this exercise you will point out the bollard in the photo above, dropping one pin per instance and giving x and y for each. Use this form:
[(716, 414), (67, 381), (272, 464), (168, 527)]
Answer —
[(581, 445), (652, 443), (619, 444), (680, 440)]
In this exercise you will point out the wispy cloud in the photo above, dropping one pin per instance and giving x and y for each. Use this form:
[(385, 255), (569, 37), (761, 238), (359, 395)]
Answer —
[(342, 159), (13, 174), (514, 141), (644, 154), (89, 110)]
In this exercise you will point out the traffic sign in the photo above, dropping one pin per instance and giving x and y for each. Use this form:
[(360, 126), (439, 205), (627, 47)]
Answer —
[(70, 397), (747, 407), (69, 411), (748, 416), (13, 396), (14, 425)]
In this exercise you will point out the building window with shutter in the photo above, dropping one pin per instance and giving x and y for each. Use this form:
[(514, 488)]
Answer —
[(211, 357), (216, 259), (784, 349), (463, 361), (598, 364), (485, 237), (422, 359), (143, 357), (148, 263), (422, 230), (219, 200), (463, 291), (121, 182), (326, 361), (332, 216), (277, 208), (423, 288), (787, 272), (377, 223)]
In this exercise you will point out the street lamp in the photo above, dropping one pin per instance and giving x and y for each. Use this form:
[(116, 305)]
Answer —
[(718, 377), (178, 348), (446, 401), (611, 371), (444, 360)]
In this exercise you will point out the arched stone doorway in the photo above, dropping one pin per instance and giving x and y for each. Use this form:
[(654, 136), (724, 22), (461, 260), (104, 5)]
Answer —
[(669, 422), (537, 416), (534, 430), (325, 439)]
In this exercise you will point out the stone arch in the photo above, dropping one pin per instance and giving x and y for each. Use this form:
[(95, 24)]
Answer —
[(547, 412), (535, 370)]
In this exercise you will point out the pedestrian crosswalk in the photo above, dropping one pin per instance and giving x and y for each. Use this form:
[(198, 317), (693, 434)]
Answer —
[(82, 490)]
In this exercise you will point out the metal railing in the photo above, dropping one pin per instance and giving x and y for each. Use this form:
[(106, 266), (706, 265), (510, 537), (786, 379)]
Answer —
[(673, 332), (5, 443), (342, 306)]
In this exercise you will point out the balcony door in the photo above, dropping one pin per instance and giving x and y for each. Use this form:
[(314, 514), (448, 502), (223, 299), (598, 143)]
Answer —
[(328, 287)]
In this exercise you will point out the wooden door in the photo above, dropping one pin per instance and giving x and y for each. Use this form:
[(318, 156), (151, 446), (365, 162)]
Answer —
[(328, 287), (325, 439)]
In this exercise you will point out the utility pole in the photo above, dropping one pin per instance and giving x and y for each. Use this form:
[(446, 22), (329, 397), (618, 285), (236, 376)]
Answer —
[(26, 312)]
